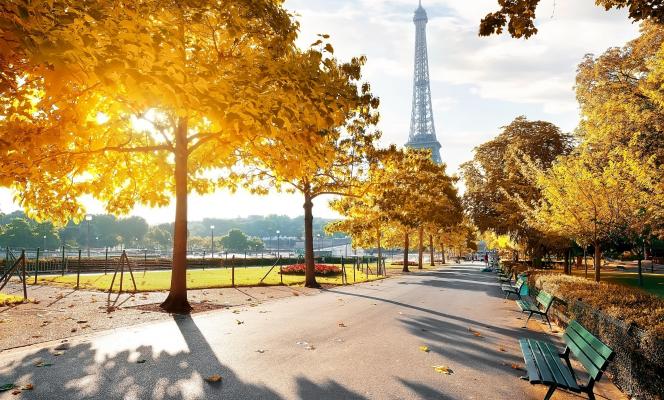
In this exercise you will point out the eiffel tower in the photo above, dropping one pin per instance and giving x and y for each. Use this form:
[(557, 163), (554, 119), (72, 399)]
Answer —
[(422, 129)]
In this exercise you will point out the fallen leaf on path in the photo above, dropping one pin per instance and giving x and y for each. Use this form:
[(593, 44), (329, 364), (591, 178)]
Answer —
[(342, 325), (442, 369), (6, 387), (236, 311), (43, 364), (296, 294), (502, 349), (213, 378), (260, 351), (239, 322), (15, 392), (474, 332), (58, 353), (27, 387), (140, 361), (310, 347), (516, 366), (73, 330), (82, 322), (263, 312), (424, 349)]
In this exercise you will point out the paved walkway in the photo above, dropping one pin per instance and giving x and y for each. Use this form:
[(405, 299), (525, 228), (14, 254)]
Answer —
[(360, 342)]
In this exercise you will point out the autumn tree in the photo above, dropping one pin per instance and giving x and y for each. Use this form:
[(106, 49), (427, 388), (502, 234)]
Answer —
[(156, 95), (519, 15), (407, 191), (620, 96), (496, 183), (589, 201), (334, 120)]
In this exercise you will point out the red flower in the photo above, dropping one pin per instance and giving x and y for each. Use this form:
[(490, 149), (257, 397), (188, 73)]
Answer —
[(321, 269)]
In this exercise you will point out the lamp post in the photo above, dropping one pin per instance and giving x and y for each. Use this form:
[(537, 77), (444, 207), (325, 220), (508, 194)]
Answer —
[(44, 244), (318, 236), (212, 231), (278, 253), (88, 218)]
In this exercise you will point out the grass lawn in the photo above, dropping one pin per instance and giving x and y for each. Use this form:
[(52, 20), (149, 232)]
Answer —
[(7, 299), (196, 279), (652, 283)]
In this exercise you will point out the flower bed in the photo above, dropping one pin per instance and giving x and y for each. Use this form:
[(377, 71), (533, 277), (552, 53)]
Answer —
[(627, 319), (321, 269)]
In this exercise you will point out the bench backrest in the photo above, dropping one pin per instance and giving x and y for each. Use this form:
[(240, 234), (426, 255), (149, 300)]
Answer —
[(545, 299), (590, 351)]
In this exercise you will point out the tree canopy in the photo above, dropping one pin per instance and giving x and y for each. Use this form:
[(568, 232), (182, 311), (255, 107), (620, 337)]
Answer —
[(519, 15)]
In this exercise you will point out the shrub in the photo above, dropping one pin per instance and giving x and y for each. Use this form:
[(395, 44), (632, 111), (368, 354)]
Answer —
[(630, 305), (410, 263), (321, 269)]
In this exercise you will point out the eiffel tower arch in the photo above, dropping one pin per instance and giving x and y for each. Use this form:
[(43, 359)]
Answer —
[(422, 129)]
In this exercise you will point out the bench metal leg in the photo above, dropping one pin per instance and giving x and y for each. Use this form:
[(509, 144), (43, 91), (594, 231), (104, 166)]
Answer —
[(529, 316), (547, 320), (550, 392)]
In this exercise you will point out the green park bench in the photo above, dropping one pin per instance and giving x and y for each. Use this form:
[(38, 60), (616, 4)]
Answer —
[(509, 289), (546, 366), (543, 299)]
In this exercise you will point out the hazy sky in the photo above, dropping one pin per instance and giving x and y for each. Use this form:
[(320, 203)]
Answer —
[(478, 84)]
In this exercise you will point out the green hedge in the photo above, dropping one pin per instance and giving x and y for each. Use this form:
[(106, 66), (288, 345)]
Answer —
[(628, 320)]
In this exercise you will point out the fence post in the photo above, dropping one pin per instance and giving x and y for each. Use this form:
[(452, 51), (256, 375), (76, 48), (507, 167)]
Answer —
[(78, 269), (106, 262), (354, 268), (63, 260), (145, 261), (36, 265), (25, 288), (233, 271)]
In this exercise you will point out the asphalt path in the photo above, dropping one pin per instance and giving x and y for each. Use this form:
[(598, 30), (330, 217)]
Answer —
[(355, 342)]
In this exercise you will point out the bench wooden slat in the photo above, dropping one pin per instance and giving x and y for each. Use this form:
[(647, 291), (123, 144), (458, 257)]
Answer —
[(588, 364), (542, 366), (526, 305), (563, 371), (529, 361), (551, 364), (596, 344)]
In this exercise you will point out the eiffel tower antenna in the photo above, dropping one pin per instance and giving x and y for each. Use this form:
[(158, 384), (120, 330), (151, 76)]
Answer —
[(422, 129)]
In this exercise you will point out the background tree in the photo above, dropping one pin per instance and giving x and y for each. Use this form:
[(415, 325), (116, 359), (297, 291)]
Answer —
[(519, 15), (496, 183), (619, 94), (589, 201), (235, 241)]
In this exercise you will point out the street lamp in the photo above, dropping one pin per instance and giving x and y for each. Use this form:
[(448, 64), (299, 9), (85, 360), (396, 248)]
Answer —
[(212, 230), (318, 236), (44, 242), (88, 218), (278, 254)]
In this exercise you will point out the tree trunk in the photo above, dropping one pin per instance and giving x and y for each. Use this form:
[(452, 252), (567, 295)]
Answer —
[(310, 267), (432, 252), (585, 259), (420, 248), (598, 260), (640, 271), (380, 251), (406, 244), (567, 263), (177, 302), (442, 253)]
